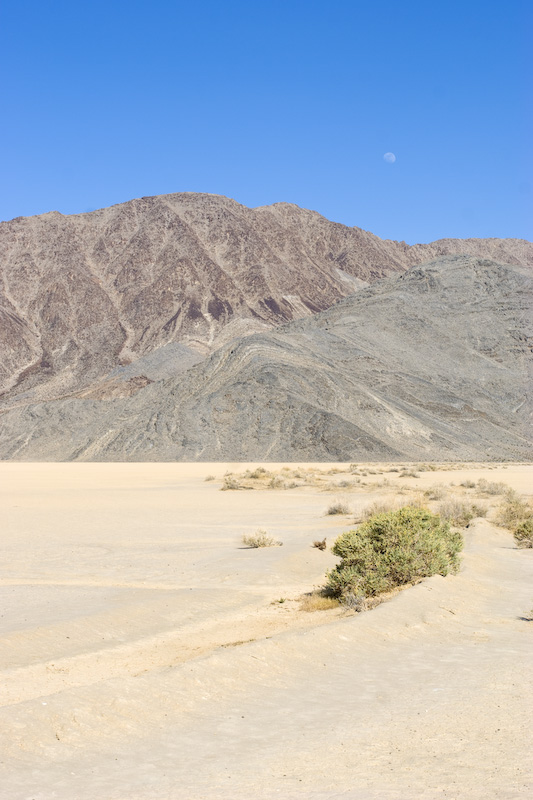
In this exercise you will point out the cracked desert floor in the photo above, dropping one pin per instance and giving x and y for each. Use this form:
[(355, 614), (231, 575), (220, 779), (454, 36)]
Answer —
[(146, 654)]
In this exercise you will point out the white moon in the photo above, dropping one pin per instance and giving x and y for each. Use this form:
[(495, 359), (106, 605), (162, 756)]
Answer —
[(390, 158)]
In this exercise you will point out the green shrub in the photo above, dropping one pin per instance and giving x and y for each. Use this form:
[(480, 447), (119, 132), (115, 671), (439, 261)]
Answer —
[(391, 550), (523, 534)]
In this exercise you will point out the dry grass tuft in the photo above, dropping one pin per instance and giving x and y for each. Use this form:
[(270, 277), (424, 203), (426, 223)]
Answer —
[(260, 539), (378, 507), (338, 507), (456, 511), (319, 600), (209, 478), (320, 544), (437, 492)]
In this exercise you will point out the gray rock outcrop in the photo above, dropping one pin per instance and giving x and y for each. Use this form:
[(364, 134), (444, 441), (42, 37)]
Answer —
[(433, 364)]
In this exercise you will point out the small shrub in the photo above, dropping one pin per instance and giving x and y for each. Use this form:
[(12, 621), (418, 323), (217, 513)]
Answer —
[(523, 534), (514, 511), (277, 483), (491, 488), (210, 478), (230, 483), (260, 539), (320, 544), (457, 512), (409, 474), (338, 507), (468, 484), (479, 511), (437, 492), (392, 550), (260, 472), (378, 507)]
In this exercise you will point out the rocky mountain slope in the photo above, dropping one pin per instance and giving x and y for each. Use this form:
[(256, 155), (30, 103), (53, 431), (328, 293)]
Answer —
[(83, 298), (433, 363)]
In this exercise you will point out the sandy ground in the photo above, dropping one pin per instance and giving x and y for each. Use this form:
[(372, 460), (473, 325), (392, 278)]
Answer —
[(145, 655)]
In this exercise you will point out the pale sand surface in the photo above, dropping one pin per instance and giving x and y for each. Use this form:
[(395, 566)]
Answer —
[(142, 656)]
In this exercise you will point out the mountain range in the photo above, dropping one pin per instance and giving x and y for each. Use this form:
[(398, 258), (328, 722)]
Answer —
[(189, 327)]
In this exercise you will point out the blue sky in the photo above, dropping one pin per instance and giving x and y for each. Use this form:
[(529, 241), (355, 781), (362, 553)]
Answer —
[(274, 101)]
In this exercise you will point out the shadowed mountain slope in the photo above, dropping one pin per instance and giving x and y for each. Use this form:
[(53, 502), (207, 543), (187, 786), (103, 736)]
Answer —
[(84, 295), (431, 364)]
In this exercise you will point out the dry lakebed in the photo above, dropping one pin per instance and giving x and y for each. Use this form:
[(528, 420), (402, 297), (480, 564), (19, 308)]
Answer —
[(148, 654)]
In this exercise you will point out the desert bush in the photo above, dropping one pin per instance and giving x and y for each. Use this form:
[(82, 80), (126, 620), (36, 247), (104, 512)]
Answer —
[(318, 600), (437, 492), (260, 472), (514, 511), (457, 512), (409, 474), (468, 484), (209, 478), (523, 534), (230, 483), (378, 507), (479, 511), (338, 507), (277, 483), (491, 487), (391, 550), (260, 539)]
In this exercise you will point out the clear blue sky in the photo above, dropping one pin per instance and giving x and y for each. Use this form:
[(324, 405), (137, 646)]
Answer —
[(268, 101)]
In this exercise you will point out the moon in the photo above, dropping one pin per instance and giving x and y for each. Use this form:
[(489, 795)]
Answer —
[(390, 158)]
